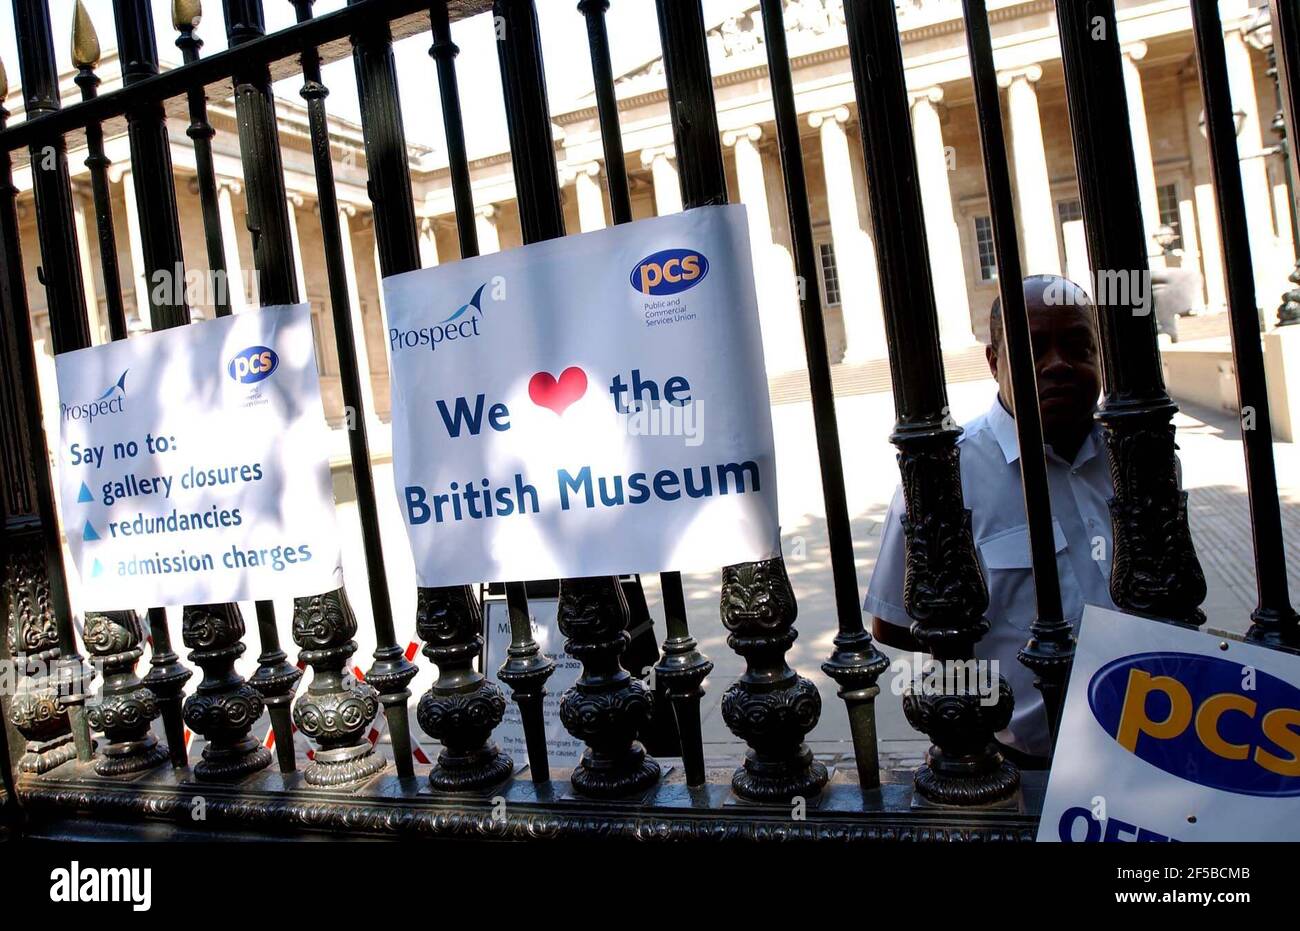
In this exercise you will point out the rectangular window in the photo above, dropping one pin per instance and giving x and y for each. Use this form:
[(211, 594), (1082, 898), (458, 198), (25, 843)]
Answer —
[(984, 245), (1068, 210), (1167, 201), (830, 274)]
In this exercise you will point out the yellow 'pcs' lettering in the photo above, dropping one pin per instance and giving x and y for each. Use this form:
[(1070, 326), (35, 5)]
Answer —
[(674, 270), (1134, 720), (1279, 726)]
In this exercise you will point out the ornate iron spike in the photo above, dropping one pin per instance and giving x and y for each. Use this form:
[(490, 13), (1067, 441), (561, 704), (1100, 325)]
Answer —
[(224, 707), (606, 707), (186, 14), (85, 42), (462, 708), (771, 707), (124, 708), (336, 710), (166, 680), (526, 670)]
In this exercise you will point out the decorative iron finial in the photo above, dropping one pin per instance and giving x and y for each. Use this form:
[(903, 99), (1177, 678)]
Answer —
[(186, 14), (85, 43)]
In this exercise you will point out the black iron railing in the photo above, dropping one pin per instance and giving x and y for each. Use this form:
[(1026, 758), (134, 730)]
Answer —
[(966, 788)]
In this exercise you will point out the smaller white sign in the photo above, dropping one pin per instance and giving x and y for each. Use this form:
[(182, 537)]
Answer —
[(562, 749), (1171, 734), (192, 465)]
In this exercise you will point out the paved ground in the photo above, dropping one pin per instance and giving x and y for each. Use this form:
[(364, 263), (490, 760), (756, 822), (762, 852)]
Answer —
[(1211, 453)]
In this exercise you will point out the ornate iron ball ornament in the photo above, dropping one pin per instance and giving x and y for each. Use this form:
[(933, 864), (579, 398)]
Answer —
[(606, 708), (770, 707), (224, 707), (462, 708), (125, 707), (336, 710), (36, 710)]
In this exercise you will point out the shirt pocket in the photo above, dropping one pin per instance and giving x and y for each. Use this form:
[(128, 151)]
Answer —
[(1008, 569)]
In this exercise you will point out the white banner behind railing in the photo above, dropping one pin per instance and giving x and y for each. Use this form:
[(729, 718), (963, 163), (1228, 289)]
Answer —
[(589, 405)]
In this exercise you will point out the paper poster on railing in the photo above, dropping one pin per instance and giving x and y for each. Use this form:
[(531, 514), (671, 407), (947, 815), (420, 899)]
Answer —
[(192, 465), (1171, 734), (589, 405)]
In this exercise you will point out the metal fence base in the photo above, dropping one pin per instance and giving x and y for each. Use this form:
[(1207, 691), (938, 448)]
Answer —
[(171, 804)]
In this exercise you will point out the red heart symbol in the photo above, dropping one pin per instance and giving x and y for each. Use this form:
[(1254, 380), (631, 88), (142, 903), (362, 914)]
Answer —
[(546, 391)]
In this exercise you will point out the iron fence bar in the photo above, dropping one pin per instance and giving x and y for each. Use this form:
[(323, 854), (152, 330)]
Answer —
[(443, 615), (1050, 650), (757, 603), (443, 52), (1285, 59), (611, 137), (526, 668), (127, 706), (328, 655), (86, 58), (945, 592), (223, 706), (158, 87), (1274, 621), (856, 663), (268, 223), (185, 18), (682, 668), (60, 273), (606, 706), (1154, 568), (34, 592)]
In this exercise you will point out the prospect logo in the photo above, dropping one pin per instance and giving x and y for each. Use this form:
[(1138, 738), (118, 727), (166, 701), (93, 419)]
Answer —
[(112, 401), (462, 323)]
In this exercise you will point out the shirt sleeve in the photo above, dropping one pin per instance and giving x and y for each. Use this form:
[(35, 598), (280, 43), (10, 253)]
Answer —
[(885, 591)]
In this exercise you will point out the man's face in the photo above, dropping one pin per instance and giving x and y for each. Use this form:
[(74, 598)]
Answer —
[(1066, 363)]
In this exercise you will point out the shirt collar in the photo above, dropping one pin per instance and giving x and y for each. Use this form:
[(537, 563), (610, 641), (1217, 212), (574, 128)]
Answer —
[(1003, 426)]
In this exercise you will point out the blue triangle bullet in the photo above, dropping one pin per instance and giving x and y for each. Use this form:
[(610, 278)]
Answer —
[(96, 569), (84, 495), (88, 533)]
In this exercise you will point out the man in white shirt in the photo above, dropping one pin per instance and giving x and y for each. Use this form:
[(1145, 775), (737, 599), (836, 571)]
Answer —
[(1067, 363)]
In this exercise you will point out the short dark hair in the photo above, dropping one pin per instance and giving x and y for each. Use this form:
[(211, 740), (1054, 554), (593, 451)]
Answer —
[(996, 332)]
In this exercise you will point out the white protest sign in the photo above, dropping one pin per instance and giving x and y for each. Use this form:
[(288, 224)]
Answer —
[(192, 464), (562, 748), (1174, 734), (590, 405)]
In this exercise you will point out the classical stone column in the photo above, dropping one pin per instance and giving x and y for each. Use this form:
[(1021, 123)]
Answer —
[(485, 224), (591, 199), (98, 331), (1040, 246), (946, 257), (358, 322), (293, 202), (668, 190), (773, 275), (855, 253), (140, 284), (1141, 136), (428, 242), (227, 188), (1254, 174)]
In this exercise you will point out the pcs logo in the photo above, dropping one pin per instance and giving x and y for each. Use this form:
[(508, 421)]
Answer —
[(253, 364), (1204, 719), (669, 272)]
